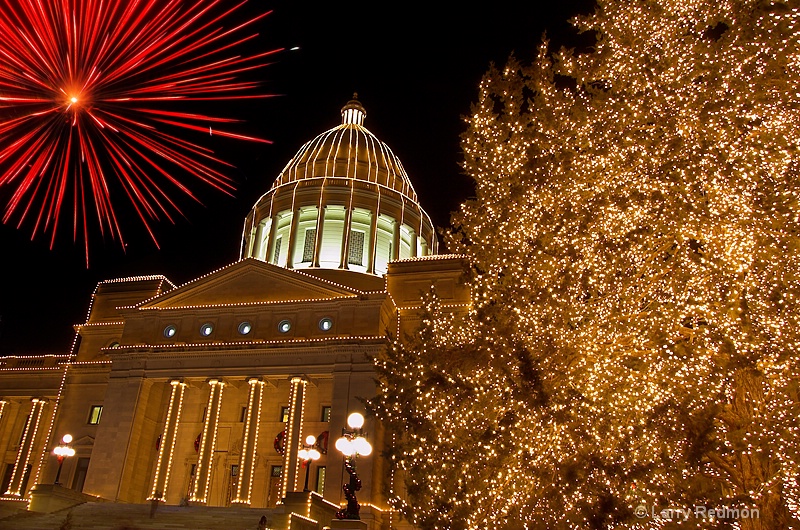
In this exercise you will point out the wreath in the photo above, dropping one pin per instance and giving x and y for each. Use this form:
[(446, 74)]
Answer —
[(322, 442)]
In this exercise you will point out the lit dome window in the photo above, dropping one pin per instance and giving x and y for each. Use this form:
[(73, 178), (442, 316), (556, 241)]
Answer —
[(206, 330), (284, 326), (245, 328), (170, 331), (325, 324)]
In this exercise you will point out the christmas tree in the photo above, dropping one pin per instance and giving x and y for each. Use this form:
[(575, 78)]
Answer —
[(632, 347)]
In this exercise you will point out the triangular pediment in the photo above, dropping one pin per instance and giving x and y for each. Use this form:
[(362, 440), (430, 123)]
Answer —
[(83, 441), (250, 281)]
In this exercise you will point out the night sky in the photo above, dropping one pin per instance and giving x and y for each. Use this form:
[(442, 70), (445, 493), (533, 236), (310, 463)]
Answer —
[(416, 68)]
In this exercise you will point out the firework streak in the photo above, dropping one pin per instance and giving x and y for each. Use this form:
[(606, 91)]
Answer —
[(92, 97)]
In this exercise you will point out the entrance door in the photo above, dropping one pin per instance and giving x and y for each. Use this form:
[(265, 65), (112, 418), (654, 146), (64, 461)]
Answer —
[(80, 474), (274, 486)]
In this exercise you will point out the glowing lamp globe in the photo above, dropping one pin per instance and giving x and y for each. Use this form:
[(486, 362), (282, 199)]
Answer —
[(355, 420), (345, 446), (63, 452), (362, 446)]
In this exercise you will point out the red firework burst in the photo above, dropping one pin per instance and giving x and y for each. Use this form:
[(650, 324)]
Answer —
[(89, 99)]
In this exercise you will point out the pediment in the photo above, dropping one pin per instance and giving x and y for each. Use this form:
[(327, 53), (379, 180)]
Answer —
[(249, 281), (83, 441)]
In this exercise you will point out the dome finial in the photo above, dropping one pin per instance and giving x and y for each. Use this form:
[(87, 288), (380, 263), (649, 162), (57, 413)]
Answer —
[(353, 112)]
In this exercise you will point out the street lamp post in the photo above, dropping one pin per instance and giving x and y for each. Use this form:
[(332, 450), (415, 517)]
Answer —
[(351, 444), (62, 451), (307, 454)]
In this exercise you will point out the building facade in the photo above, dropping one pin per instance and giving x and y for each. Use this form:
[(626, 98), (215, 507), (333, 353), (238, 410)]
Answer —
[(203, 393)]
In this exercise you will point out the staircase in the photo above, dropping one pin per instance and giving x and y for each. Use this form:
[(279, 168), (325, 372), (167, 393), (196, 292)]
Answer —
[(117, 516)]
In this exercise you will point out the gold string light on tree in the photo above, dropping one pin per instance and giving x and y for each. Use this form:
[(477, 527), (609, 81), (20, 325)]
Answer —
[(634, 243)]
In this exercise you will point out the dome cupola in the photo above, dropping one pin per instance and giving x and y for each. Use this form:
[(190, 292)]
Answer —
[(344, 201)]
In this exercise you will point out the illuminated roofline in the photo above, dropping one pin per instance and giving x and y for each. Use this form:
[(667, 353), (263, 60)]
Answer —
[(276, 188), (430, 257)]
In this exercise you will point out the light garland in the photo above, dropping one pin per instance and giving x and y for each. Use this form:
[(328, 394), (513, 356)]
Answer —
[(51, 426), (247, 461), (257, 342), (168, 439), (208, 442), (26, 448), (253, 304), (294, 428)]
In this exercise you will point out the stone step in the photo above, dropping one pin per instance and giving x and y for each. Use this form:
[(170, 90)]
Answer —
[(117, 516)]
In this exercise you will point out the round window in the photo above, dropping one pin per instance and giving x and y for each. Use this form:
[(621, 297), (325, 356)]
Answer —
[(325, 324), (284, 326), (170, 331), (114, 345), (245, 328), (206, 329)]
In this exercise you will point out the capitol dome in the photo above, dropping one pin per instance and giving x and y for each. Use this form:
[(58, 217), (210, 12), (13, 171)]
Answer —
[(370, 212)]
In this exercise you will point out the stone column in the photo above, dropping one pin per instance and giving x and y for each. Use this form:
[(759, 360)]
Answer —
[(205, 458), (292, 238), (348, 222), (395, 241), (26, 447), (247, 459), (257, 240), (168, 438), (273, 231), (294, 429), (318, 242), (373, 242)]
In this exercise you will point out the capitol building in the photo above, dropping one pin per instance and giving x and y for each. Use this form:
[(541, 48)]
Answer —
[(194, 402)]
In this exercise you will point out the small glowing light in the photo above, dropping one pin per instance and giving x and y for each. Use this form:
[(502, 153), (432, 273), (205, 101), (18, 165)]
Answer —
[(310, 439), (73, 99), (67, 438)]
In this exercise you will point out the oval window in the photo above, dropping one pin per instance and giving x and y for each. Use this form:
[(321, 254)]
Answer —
[(325, 324), (206, 330), (245, 328), (170, 331), (284, 326)]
